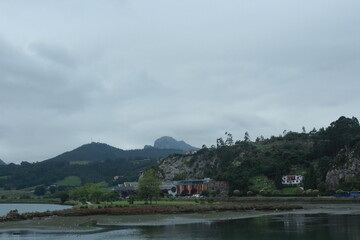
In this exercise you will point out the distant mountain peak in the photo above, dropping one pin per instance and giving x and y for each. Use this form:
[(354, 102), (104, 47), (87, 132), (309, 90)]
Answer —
[(2, 162), (96, 151), (167, 142)]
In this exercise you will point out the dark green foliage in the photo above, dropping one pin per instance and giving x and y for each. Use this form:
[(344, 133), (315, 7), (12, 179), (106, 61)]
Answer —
[(88, 193), (310, 179), (149, 186), (131, 199), (40, 191), (344, 132), (52, 189), (111, 196), (314, 153), (205, 193), (351, 184), (49, 172), (95, 152), (100, 162), (64, 196)]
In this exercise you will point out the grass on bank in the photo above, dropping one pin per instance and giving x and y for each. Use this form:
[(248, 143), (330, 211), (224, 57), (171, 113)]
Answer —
[(73, 181)]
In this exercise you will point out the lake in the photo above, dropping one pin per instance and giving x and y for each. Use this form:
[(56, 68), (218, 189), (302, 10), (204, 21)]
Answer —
[(29, 207), (341, 224)]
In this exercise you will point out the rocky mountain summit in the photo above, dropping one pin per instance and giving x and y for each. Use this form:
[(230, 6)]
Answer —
[(167, 142)]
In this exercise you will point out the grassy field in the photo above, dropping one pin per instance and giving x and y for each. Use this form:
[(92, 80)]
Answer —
[(73, 181)]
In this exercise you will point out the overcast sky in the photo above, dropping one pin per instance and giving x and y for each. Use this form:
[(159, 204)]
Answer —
[(127, 72)]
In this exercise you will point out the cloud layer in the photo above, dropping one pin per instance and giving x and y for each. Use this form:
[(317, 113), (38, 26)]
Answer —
[(128, 72)]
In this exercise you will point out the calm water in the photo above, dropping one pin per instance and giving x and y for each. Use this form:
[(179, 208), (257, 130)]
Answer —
[(289, 226), (26, 207)]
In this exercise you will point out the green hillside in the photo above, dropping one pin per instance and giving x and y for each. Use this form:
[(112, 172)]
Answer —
[(329, 159), (94, 162)]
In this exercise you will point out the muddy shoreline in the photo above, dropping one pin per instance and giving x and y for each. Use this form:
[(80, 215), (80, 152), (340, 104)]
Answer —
[(228, 204), (149, 209)]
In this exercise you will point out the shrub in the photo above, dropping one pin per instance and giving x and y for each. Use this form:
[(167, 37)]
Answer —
[(339, 191), (315, 192), (308, 191), (249, 193), (265, 192), (298, 191), (131, 199), (205, 193), (236, 192), (213, 193)]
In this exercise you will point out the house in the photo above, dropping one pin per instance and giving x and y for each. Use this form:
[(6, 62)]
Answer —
[(169, 187), (127, 188), (195, 186), (292, 179), (191, 152)]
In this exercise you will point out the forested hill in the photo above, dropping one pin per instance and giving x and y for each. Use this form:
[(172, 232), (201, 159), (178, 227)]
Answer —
[(94, 162), (329, 159), (100, 151), (2, 162)]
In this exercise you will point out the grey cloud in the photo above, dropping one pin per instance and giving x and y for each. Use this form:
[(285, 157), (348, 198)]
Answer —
[(55, 53), (128, 72)]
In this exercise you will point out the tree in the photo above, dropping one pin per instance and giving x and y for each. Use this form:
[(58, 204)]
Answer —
[(90, 192), (246, 137), (229, 140), (40, 190), (64, 196), (237, 192), (310, 179), (220, 143), (303, 129), (111, 196), (149, 186), (52, 189)]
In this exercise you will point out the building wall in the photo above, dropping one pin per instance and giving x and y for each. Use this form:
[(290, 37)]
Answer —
[(192, 188)]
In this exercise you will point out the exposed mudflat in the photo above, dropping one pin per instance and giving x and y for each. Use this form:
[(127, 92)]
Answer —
[(98, 222)]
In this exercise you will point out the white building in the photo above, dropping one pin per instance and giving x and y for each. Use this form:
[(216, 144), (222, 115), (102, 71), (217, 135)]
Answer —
[(292, 179)]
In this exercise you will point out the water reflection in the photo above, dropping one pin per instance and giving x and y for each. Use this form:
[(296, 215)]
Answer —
[(292, 226)]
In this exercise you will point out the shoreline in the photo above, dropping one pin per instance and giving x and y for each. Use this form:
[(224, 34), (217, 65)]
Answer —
[(148, 209), (106, 222), (243, 204)]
